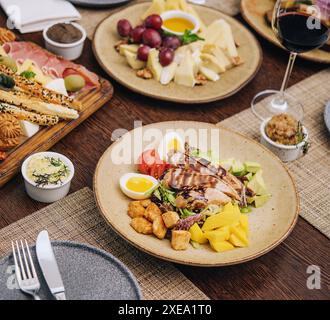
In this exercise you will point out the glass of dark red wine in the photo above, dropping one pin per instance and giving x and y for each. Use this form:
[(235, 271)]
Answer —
[(300, 26)]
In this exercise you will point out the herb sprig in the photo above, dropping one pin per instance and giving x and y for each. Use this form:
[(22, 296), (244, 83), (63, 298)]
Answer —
[(28, 74), (186, 38)]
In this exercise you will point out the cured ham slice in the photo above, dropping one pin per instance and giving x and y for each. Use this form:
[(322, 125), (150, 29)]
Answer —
[(50, 64)]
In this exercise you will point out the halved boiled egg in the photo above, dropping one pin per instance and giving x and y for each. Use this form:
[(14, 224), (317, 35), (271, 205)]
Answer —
[(138, 186), (172, 141)]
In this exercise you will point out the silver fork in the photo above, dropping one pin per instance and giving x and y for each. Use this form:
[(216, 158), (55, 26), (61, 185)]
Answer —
[(24, 269)]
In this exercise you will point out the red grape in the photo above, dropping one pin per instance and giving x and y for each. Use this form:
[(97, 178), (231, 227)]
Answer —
[(136, 34), (143, 53), (166, 56), (154, 22), (152, 38), (124, 28), (172, 42)]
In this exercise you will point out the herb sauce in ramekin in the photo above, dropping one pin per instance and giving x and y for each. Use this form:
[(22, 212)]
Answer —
[(44, 170)]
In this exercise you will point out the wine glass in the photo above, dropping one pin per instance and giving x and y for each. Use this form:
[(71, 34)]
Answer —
[(300, 26)]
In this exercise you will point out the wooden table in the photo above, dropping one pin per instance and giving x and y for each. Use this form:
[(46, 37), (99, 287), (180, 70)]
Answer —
[(280, 274)]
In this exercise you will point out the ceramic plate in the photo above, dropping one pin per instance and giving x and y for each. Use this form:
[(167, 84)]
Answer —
[(98, 3), (269, 225), (232, 81), (87, 272), (254, 11)]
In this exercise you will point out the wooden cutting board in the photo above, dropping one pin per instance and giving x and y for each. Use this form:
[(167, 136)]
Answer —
[(92, 100)]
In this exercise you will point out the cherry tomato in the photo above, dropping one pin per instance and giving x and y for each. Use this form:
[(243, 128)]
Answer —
[(151, 164)]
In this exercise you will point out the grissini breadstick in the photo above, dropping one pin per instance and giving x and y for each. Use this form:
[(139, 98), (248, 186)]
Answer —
[(21, 114), (30, 103)]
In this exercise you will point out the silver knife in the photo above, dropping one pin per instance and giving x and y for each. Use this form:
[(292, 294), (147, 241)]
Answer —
[(49, 266)]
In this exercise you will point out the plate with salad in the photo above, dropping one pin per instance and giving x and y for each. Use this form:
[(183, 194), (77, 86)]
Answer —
[(195, 193)]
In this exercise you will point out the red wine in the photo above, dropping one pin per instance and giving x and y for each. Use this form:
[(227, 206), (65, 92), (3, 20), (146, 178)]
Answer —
[(295, 35)]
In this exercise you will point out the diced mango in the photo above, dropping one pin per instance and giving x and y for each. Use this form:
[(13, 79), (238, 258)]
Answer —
[(244, 222), (197, 234), (240, 234), (229, 216), (235, 241), (218, 235), (221, 246)]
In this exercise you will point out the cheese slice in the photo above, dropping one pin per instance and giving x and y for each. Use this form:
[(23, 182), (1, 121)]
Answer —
[(172, 5), (184, 74), (209, 74), (154, 65), (220, 55), (157, 7), (128, 47), (211, 62), (57, 85), (133, 61), (29, 129), (226, 41), (168, 73), (2, 52)]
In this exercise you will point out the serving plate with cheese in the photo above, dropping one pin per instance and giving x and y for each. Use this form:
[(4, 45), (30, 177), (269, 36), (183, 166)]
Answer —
[(209, 64), (42, 98)]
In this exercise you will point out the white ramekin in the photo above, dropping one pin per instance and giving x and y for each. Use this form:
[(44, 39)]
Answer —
[(284, 152), (69, 51), (180, 14), (49, 193)]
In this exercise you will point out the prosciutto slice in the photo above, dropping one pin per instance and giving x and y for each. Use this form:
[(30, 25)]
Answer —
[(50, 64)]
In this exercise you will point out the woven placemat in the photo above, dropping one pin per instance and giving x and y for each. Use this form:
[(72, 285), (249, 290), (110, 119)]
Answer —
[(90, 18), (311, 172), (76, 218)]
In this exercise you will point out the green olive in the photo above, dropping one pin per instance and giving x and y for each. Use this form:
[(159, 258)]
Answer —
[(74, 83), (9, 62)]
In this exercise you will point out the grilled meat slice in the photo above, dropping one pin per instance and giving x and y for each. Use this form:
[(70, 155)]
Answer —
[(204, 166), (200, 199), (214, 196), (182, 178)]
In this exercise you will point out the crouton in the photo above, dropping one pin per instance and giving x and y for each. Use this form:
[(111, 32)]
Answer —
[(180, 239), (145, 203), (141, 225), (135, 209), (158, 227), (152, 212), (170, 219)]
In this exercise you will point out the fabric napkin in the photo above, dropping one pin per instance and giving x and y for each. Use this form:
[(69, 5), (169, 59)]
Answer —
[(35, 15)]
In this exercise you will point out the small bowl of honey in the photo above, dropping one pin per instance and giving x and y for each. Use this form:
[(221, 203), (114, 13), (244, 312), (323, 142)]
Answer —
[(178, 22)]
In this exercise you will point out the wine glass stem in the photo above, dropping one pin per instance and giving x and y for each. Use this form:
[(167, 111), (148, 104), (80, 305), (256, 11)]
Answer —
[(288, 72)]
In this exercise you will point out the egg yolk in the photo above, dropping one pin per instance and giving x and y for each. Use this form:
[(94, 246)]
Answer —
[(178, 24), (174, 144), (139, 184)]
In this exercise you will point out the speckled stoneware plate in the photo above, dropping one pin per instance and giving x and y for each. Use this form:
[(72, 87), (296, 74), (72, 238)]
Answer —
[(232, 81), (269, 225), (98, 3), (87, 272), (254, 11), (327, 115)]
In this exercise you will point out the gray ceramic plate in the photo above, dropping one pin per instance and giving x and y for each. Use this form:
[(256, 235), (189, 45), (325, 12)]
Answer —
[(87, 272), (98, 3), (327, 115)]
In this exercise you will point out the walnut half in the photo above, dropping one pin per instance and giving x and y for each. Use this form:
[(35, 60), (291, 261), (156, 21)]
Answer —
[(144, 73), (120, 43)]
